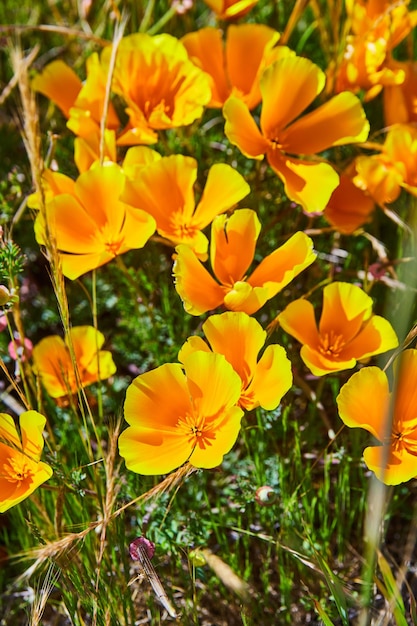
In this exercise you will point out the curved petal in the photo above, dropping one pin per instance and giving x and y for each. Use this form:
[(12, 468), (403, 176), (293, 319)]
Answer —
[(99, 190), (164, 189), (233, 243), (309, 183), (155, 400), (75, 265), (298, 320), (345, 309), (242, 131), (148, 451), (280, 267), (32, 424), (138, 157), (64, 216), (193, 344), (226, 435), (376, 337), (137, 229), (195, 286), (363, 402), (239, 338), (224, 188), (59, 83), (349, 207), (246, 48), (391, 467), (339, 121), (245, 298), (12, 493), (288, 87), (212, 382), (272, 379), (205, 49), (405, 376)]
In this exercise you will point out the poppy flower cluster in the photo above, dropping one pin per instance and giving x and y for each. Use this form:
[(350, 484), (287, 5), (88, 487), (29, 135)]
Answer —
[(199, 420)]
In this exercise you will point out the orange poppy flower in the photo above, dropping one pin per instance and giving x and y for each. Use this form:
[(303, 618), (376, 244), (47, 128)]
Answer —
[(236, 66), (233, 241), (53, 363), (240, 338), (365, 401), (230, 9), (377, 27), (160, 85), (384, 175), (21, 471), (347, 331), (288, 87), (349, 207), (163, 187), (178, 413), (92, 226), (400, 100)]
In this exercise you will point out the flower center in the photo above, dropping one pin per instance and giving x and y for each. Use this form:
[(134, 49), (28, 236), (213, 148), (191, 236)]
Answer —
[(196, 430), (113, 247), (331, 344), (16, 469), (404, 439)]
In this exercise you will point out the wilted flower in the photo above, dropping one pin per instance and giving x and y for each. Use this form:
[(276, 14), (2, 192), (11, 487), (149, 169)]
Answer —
[(288, 87), (91, 226), (21, 471), (240, 338), (230, 9), (178, 413), (232, 249), (365, 401), (164, 188), (60, 375), (235, 67), (160, 85), (347, 332)]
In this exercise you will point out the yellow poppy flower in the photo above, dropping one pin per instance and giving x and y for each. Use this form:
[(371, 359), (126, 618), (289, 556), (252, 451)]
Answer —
[(160, 85), (365, 401), (53, 363), (233, 242), (92, 226), (230, 9), (240, 338), (288, 87), (235, 67), (21, 471), (163, 187), (178, 413), (347, 331)]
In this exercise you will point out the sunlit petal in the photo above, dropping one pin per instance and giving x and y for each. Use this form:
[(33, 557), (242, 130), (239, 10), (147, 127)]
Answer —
[(345, 308), (147, 451), (299, 321), (271, 380), (59, 83), (391, 467), (195, 286), (364, 402), (226, 435), (376, 337), (242, 131)]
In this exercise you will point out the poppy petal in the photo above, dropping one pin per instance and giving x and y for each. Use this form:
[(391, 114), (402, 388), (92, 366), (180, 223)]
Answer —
[(288, 87), (242, 131), (272, 379), (195, 286), (364, 401), (299, 321), (339, 121), (148, 451), (59, 83), (391, 467), (225, 438), (280, 267)]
